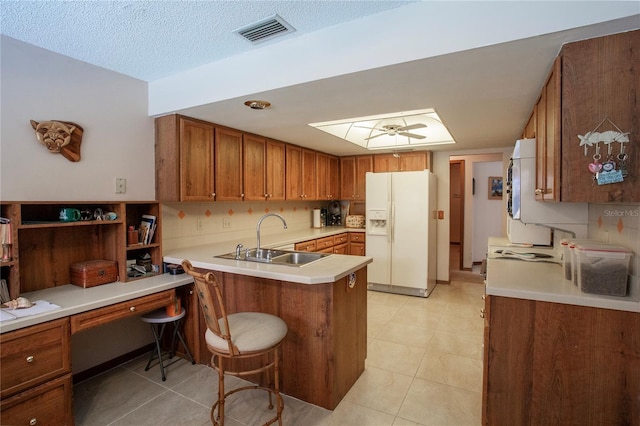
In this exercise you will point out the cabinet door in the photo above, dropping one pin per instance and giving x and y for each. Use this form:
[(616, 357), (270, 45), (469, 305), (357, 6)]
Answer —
[(196, 161), (293, 174), (254, 168), (600, 80), (328, 177), (228, 170), (412, 161), (348, 178), (552, 139), (541, 144), (385, 163), (275, 179), (364, 164), (357, 249), (309, 177)]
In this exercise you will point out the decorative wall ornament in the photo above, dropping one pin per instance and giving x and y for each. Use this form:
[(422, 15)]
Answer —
[(608, 171), (61, 137)]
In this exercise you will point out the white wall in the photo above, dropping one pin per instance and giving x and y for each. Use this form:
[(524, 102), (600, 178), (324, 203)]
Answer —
[(118, 142), (487, 215), (118, 137)]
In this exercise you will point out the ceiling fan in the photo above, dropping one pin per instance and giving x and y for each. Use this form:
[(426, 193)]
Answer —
[(396, 129)]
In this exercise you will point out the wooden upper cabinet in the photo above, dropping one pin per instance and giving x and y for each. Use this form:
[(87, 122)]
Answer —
[(328, 168), (529, 131), (547, 113), (275, 171), (600, 82), (300, 173), (184, 159), (228, 165), (400, 162), (293, 172), (353, 171), (254, 166), (364, 164), (347, 178)]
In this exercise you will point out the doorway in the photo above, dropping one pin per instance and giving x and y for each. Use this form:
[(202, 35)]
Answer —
[(456, 220)]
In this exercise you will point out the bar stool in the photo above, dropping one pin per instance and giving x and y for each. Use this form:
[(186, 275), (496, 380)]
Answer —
[(158, 320), (239, 336)]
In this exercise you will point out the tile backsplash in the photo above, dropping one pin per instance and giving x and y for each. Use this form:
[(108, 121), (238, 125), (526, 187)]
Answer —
[(190, 224)]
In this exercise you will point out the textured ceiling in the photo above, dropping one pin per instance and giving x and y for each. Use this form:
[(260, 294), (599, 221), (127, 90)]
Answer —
[(152, 39), (479, 64)]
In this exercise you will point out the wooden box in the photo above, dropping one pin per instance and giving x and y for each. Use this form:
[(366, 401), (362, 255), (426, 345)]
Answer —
[(94, 272)]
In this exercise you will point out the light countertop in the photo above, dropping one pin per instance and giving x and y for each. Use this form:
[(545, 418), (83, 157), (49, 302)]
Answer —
[(74, 299), (545, 282), (326, 270)]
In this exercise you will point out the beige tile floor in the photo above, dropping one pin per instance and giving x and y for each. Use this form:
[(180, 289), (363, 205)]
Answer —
[(424, 367)]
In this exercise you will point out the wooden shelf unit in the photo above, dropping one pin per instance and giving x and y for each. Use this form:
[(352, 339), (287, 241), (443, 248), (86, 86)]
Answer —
[(43, 248)]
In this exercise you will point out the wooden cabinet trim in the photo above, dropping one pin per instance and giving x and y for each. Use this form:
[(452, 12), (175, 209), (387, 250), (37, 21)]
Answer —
[(134, 307)]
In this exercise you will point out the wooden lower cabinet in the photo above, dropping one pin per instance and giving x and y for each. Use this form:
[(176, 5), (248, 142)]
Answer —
[(557, 364), (325, 348), (47, 404)]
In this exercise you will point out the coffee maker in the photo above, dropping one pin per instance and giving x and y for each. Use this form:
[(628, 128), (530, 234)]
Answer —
[(334, 218)]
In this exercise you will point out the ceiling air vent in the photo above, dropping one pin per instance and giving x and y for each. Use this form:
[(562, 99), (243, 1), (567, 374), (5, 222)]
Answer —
[(268, 28)]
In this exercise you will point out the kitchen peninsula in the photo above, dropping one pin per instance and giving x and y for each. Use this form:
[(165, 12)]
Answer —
[(324, 304)]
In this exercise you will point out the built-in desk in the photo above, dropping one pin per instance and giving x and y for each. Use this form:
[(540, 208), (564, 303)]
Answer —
[(35, 351)]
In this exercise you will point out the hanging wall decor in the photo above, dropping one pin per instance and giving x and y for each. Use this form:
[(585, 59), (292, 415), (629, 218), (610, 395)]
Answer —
[(60, 137), (607, 171)]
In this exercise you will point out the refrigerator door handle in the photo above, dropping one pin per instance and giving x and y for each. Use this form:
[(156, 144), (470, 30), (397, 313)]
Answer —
[(392, 222)]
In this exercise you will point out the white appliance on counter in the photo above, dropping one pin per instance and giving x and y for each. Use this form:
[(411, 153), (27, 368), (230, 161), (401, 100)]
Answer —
[(530, 221), (401, 232)]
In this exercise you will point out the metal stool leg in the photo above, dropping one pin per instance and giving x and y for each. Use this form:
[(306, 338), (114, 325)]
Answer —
[(186, 348), (158, 338)]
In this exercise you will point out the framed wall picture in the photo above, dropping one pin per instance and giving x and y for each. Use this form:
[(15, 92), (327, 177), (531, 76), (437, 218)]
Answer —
[(495, 187)]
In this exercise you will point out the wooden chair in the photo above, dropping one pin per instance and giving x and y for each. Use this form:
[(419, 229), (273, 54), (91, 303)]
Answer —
[(238, 336)]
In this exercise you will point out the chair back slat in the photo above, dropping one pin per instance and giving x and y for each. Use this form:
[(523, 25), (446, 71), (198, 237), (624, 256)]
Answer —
[(212, 303)]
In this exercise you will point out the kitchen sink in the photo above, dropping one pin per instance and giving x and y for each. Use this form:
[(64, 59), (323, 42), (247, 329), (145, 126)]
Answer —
[(276, 257)]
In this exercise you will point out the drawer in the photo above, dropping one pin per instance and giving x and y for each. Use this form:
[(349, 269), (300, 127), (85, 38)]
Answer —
[(34, 355), (323, 243), (357, 237), (340, 239), (48, 404), (340, 249), (326, 250), (130, 308), (306, 246)]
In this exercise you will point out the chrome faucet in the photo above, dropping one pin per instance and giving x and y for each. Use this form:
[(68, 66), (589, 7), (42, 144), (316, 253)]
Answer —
[(260, 223)]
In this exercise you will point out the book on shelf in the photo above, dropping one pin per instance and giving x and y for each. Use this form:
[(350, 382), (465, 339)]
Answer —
[(147, 228)]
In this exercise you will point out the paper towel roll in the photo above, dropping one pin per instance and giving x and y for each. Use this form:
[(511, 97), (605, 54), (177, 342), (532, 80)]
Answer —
[(316, 218)]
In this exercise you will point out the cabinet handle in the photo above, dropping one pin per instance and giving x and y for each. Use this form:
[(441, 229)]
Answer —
[(132, 309), (190, 291), (242, 195), (30, 358), (484, 297), (33, 421), (538, 191), (482, 313)]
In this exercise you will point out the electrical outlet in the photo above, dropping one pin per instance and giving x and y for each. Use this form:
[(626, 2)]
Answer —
[(226, 222), (121, 186), (199, 224)]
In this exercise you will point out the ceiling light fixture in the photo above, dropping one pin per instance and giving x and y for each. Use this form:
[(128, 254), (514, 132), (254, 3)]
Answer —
[(258, 104), (390, 131)]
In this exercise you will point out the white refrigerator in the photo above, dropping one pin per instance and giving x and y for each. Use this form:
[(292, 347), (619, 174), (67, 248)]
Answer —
[(401, 232)]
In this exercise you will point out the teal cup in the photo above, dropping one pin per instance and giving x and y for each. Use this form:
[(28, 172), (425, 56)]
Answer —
[(68, 214)]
